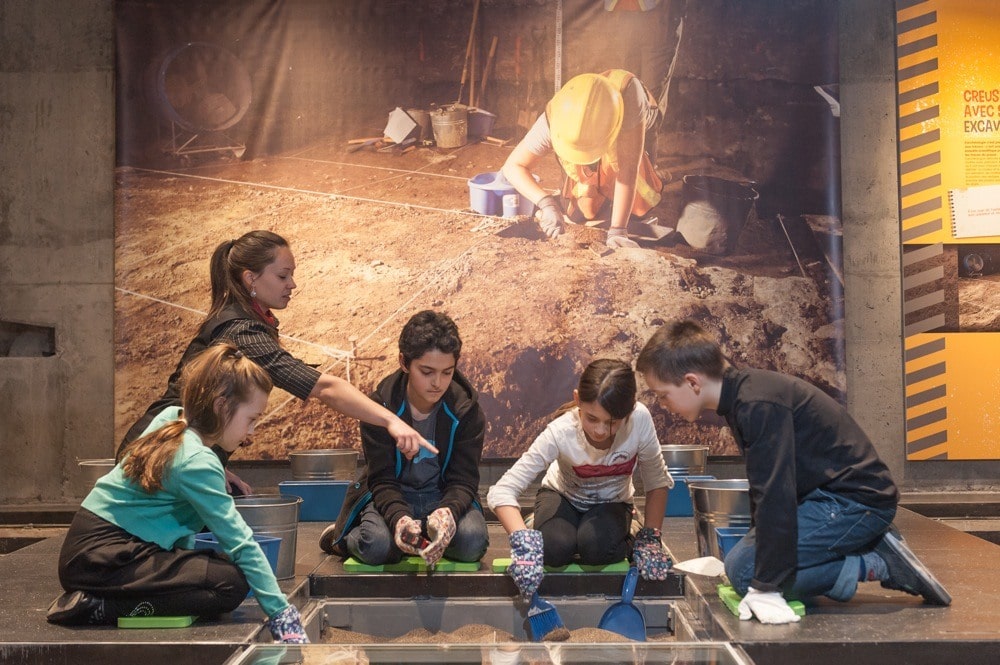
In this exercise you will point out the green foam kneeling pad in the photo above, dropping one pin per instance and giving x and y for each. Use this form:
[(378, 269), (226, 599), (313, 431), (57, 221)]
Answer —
[(156, 622), (411, 564), (500, 566), (731, 600)]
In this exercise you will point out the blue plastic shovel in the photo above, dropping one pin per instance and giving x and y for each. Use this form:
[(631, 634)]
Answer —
[(623, 617)]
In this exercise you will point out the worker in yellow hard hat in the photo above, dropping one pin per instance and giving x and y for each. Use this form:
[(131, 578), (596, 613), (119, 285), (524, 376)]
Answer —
[(596, 125)]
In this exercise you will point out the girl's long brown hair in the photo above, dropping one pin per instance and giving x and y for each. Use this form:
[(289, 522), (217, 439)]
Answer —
[(252, 251), (220, 371)]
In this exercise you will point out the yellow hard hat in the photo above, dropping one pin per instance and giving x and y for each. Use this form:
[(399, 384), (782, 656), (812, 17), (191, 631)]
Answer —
[(584, 118)]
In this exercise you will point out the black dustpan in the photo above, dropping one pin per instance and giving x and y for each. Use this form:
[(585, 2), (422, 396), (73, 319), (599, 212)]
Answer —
[(623, 617)]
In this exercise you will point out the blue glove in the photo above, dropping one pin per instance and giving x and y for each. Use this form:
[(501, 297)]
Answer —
[(526, 560), (286, 627), (649, 556)]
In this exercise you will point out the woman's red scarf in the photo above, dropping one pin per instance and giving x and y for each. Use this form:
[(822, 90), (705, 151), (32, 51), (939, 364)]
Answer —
[(264, 314)]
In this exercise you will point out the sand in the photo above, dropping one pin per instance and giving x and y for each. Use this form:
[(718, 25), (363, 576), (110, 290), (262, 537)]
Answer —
[(473, 634), (497, 647)]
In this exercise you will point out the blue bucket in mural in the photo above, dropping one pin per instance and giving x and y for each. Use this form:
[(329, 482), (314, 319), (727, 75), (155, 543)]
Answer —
[(487, 191)]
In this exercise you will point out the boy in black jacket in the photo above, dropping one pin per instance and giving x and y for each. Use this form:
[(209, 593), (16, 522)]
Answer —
[(426, 505), (821, 498)]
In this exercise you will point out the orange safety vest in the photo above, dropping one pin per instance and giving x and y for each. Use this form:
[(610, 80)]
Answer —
[(587, 189)]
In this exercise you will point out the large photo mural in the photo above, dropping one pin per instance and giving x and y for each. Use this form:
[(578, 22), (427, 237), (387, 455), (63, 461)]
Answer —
[(371, 134)]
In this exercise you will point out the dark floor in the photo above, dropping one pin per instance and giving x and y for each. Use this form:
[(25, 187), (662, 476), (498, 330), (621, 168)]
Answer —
[(877, 626)]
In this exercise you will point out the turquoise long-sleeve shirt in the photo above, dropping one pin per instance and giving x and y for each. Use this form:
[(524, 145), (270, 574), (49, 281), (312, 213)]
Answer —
[(193, 496)]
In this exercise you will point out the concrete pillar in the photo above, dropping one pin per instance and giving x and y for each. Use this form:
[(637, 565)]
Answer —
[(872, 284), (56, 239)]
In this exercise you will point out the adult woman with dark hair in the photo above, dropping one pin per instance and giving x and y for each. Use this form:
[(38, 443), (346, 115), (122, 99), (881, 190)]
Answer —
[(251, 276)]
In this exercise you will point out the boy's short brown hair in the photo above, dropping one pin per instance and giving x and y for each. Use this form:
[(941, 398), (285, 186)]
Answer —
[(680, 347), (428, 331)]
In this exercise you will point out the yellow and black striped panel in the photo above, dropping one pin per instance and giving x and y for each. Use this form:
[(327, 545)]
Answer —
[(922, 214)]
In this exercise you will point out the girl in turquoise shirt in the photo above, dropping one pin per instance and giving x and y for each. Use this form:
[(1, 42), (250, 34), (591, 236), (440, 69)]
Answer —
[(128, 551)]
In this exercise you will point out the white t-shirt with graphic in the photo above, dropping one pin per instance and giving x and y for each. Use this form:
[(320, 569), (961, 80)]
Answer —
[(583, 474)]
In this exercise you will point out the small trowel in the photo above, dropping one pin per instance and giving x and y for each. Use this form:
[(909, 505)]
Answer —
[(707, 566)]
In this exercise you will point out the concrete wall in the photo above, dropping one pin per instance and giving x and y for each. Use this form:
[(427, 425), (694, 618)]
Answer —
[(56, 238), (57, 242)]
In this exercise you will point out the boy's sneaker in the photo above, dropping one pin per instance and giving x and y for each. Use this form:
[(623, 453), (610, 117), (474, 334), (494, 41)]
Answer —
[(76, 608), (326, 540), (906, 573)]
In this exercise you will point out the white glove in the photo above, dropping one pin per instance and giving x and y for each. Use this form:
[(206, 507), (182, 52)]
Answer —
[(619, 238), (767, 606), (550, 216)]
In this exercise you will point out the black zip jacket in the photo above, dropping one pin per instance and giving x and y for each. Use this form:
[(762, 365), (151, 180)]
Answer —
[(459, 440), (795, 439)]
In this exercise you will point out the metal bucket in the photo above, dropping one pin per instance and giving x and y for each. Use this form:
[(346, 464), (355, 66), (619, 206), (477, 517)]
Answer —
[(92, 469), (685, 459), (715, 212), (324, 464), (274, 515), (718, 503), (451, 126)]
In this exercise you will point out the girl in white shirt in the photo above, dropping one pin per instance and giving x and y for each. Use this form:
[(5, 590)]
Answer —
[(583, 509)]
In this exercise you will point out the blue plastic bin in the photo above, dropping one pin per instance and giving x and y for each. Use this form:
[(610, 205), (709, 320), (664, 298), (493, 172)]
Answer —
[(481, 122), (679, 497), (729, 536), (321, 499), (486, 192), (269, 544)]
